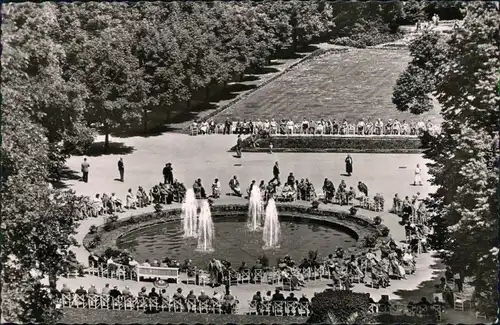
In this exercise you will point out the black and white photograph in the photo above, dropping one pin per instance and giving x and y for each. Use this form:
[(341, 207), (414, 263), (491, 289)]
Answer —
[(250, 162)]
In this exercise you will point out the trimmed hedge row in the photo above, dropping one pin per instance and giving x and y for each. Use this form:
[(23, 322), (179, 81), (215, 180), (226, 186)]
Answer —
[(381, 144)]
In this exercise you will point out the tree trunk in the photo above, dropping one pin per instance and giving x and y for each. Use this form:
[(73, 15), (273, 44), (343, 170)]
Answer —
[(52, 281), (145, 121), (106, 139), (168, 114), (242, 75), (207, 92)]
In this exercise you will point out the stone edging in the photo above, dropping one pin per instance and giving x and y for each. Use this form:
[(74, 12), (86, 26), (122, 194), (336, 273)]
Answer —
[(276, 76), (358, 226)]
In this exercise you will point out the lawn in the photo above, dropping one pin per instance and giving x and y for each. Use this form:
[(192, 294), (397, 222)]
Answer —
[(350, 85), (99, 316)]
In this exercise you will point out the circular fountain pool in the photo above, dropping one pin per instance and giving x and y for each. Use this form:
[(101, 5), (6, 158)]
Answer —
[(234, 242)]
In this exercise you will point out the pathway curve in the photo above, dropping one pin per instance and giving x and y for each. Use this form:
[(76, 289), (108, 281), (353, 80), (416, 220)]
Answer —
[(244, 292)]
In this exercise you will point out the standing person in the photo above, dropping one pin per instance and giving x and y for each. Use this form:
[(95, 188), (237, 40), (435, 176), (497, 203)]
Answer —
[(168, 176), (121, 169), (85, 170), (270, 146), (276, 173), (227, 127), (348, 165), (418, 176), (238, 146)]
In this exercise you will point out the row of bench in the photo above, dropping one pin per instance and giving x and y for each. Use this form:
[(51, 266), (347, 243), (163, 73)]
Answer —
[(145, 303)]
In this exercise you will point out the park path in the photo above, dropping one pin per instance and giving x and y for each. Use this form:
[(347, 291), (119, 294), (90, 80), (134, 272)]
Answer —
[(244, 292)]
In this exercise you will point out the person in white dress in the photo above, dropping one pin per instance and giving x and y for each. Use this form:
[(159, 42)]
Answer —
[(418, 176)]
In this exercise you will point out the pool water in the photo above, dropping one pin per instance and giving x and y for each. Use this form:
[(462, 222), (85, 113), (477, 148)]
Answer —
[(233, 242)]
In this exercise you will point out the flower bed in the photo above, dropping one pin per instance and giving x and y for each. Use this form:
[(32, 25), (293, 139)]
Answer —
[(358, 226), (331, 143)]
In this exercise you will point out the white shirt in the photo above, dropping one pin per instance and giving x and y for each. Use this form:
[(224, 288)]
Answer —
[(417, 171), (289, 124), (361, 123), (273, 123)]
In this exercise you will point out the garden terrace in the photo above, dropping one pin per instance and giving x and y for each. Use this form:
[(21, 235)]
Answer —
[(348, 85)]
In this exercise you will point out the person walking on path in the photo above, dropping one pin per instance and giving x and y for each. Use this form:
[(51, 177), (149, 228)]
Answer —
[(168, 176), (348, 165), (121, 169), (418, 176), (238, 146), (276, 173), (85, 170)]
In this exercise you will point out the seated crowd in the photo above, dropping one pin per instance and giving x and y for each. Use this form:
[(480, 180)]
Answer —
[(162, 193), (321, 126), (153, 300), (276, 304)]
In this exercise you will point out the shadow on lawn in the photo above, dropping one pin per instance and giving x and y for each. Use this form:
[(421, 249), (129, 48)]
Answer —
[(266, 70), (115, 148)]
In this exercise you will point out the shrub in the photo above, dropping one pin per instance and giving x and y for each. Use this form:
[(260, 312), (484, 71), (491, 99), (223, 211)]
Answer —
[(377, 220), (110, 222), (93, 229), (158, 207), (315, 204), (369, 240), (338, 306), (352, 211), (384, 230)]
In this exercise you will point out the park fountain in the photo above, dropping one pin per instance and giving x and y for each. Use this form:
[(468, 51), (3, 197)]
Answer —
[(189, 214), (255, 210), (271, 233), (205, 228)]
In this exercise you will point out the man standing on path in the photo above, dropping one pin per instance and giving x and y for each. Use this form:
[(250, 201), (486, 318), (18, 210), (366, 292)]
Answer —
[(348, 165), (168, 175), (85, 170), (238, 146), (276, 173), (121, 169)]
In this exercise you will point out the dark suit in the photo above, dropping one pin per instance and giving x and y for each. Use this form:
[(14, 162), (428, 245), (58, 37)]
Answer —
[(121, 169)]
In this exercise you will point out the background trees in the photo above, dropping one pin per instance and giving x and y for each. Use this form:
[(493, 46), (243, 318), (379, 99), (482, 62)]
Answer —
[(462, 73), (71, 70)]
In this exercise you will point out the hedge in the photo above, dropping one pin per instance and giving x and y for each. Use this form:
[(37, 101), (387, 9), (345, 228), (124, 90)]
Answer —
[(330, 143)]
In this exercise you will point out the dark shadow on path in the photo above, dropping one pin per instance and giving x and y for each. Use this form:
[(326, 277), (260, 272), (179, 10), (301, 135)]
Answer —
[(426, 288), (115, 148), (65, 175)]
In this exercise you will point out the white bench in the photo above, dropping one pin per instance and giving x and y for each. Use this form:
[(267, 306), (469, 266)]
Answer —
[(151, 272)]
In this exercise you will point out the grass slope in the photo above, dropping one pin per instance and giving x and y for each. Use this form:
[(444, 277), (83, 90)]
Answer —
[(352, 85)]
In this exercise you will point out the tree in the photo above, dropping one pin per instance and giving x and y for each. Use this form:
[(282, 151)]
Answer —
[(34, 62), (462, 75), (109, 70), (37, 223)]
